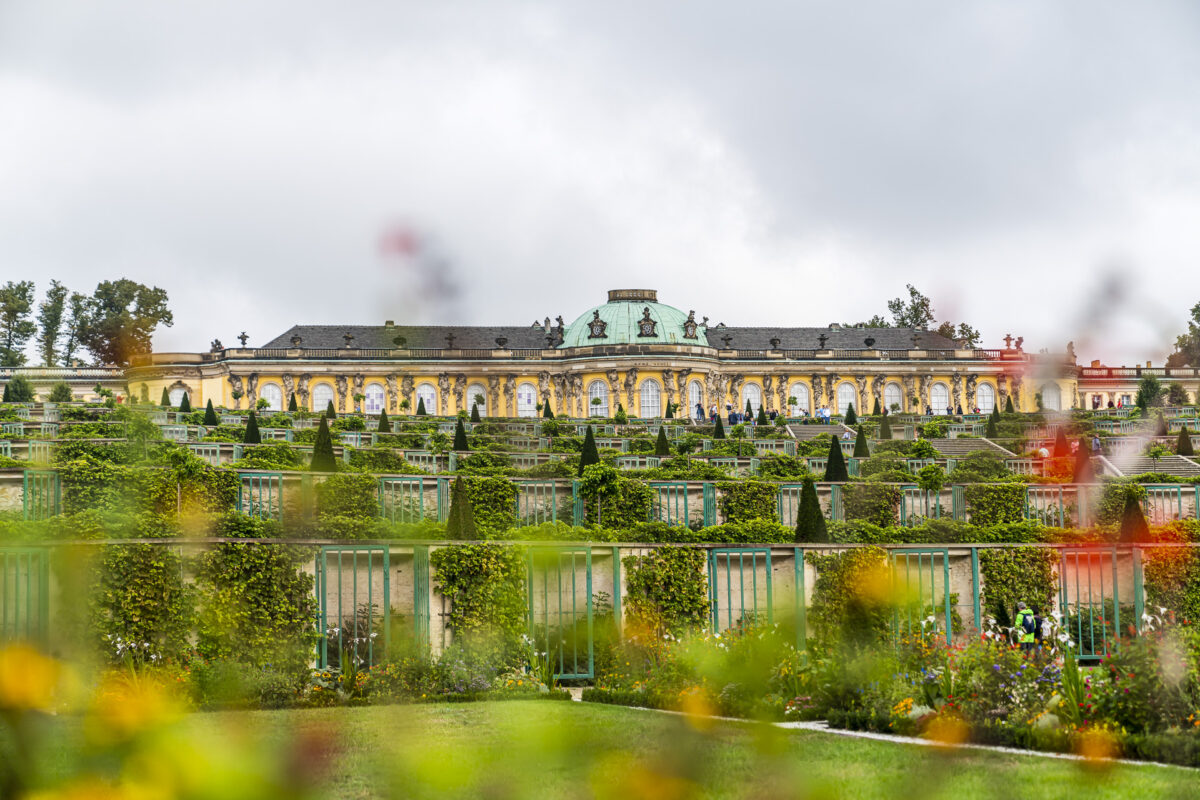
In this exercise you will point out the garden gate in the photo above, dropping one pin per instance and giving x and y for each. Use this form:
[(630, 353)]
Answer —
[(24, 593), (732, 571), (559, 581), (353, 614)]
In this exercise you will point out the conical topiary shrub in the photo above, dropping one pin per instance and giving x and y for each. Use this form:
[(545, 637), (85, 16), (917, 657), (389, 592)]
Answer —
[(661, 446), (421, 412), (1083, 472), (1160, 425), (1062, 448), (749, 409), (589, 455), (761, 419), (475, 413), (1133, 522), (851, 417), (164, 401), (292, 403), (810, 522), (877, 410), (861, 449), (460, 524), (1183, 445), (995, 415), (885, 429), (385, 424), (323, 459), (330, 411), (670, 411), (547, 411), (210, 415), (719, 431), (460, 436), (185, 405), (835, 466), (1008, 405), (6, 399), (991, 431), (252, 435)]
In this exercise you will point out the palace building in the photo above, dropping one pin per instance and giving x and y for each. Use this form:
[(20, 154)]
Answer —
[(632, 350)]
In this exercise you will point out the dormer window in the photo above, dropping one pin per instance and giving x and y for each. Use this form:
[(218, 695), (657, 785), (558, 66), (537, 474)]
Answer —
[(596, 327), (646, 325)]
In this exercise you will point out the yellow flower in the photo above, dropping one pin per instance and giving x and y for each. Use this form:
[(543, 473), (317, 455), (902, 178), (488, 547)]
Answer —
[(125, 707), (27, 678)]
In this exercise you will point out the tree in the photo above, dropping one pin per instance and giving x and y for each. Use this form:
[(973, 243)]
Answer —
[(861, 449), (76, 317), (719, 431), (547, 412), (1160, 424), (916, 313), (966, 337), (122, 316), (1133, 523), (991, 432), (185, 405), (50, 320), (851, 417), (995, 415), (385, 424), (7, 398), (877, 410), (16, 326), (810, 522), (749, 410), (1183, 445), (210, 415), (19, 390), (322, 458), (1083, 472), (930, 479), (835, 465), (661, 446), (1187, 345), (1008, 405), (762, 416), (885, 429), (460, 524), (589, 455), (330, 412), (421, 407), (61, 393), (165, 400), (1150, 393), (670, 411), (252, 435), (292, 403), (1062, 448), (1177, 395), (621, 418), (460, 436), (475, 413)]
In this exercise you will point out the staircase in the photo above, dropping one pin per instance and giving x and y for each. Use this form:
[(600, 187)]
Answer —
[(1136, 464), (802, 433), (960, 448)]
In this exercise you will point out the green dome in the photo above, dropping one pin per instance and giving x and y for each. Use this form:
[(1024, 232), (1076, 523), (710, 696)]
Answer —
[(621, 319)]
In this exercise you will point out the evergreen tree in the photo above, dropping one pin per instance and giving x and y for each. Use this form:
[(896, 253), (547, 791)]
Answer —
[(252, 435), (165, 400), (1083, 463), (810, 522), (851, 417), (330, 411), (460, 524), (460, 436), (547, 412), (210, 415), (421, 407), (6, 398), (1160, 425), (762, 417), (835, 465), (322, 458), (749, 410), (661, 446), (719, 431), (292, 403), (620, 417), (185, 405), (61, 393), (861, 449), (991, 432), (885, 429), (385, 425), (1008, 405), (995, 415), (1183, 445), (475, 413), (590, 455), (19, 390), (877, 410), (1062, 448), (670, 411), (1133, 523)]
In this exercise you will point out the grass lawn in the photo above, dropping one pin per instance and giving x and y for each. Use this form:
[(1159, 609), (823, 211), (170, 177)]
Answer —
[(569, 750)]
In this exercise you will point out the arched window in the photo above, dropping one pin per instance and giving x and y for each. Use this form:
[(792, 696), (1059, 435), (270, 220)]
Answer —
[(527, 400), (597, 390), (939, 398), (985, 398), (1051, 397), (322, 395), (477, 396), (176, 396), (893, 397), (428, 393), (799, 392), (651, 405), (375, 398), (273, 395), (696, 398), (751, 394), (845, 396)]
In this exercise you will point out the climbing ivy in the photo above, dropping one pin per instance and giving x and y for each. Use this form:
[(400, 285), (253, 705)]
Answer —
[(749, 500), (873, 502), (1017, 574), (485, 584), (995, 504), (666, 589)]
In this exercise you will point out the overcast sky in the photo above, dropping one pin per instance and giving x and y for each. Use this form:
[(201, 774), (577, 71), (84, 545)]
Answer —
[(1033, 166)]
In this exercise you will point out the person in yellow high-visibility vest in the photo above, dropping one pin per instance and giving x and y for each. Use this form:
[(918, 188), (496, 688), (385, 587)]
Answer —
[(1026, 626)]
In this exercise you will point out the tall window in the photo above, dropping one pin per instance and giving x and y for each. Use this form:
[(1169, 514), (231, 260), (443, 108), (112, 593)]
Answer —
[(939, 398), (428, 393), (273, 395), (751, 394), (651, 399), (893, 397), (597, 390), (375, 396), (322, 395), (803, 403), (176, 396), (985, 398), (696, 398), (477, 396), (1051, 397), (845, 396), (527, 400)]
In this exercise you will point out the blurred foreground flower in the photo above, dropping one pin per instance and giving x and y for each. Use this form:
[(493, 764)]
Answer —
[(28, 679), (949, 730)]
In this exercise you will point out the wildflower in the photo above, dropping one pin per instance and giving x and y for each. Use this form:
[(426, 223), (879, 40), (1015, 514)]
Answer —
[(27, 678)]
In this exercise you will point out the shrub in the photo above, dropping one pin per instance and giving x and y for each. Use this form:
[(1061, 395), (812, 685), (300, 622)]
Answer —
[(185, 405), (272, 456), (210, 415), (385, 425), (460, 437), (165, 400), (885, 429), (719, 431), (847, 604), (861, 449), (485, 584), (18, 390), (749, 500), (872, 502), (460, 524), (421, 412), (61, 393), (851, 416), (810, 521), (661, 446), (1183, 445), (493, 502), (323, 459), (1017, 574), (252, 435), (835, 466), (475, 413), (349, 495), (666, 589), (590, 455), (994, 504)]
